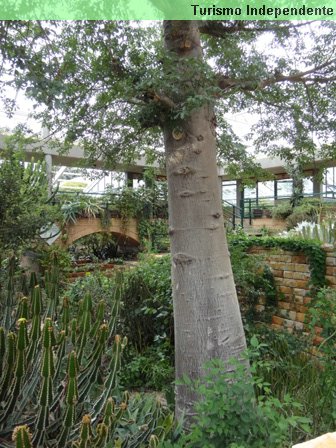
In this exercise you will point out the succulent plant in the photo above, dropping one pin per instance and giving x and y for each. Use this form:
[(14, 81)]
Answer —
[(59, 367)]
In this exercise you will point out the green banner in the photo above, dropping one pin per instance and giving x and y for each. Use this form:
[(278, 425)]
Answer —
[(167, 9)]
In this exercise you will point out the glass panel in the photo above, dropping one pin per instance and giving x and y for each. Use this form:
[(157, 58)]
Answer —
[(229, 190)]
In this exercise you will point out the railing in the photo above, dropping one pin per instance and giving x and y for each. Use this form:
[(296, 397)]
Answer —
[(256, 208), (157, 208), (233, 215)]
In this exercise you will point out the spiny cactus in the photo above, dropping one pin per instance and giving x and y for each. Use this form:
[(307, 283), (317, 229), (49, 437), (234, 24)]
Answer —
[(8, 369), (35, 332), (49, 378), (85, 437), (47, 373), (8, 320), (52, 277), (23, 308), (70, 399), (19, 371), (22, 437), (2, 348)]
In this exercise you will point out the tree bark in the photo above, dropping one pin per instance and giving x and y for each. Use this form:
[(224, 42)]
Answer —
[(207, 317)]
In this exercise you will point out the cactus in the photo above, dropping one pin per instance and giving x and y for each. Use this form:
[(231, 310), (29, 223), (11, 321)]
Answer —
[(2, 348), (46, 392), (85, 433), (10, 296), (9, 365), (23, 308), (19, 371), (52, 286), (35, 332), (70, 399), (35, 391), (22, 437), (65, 315), (85, 325)]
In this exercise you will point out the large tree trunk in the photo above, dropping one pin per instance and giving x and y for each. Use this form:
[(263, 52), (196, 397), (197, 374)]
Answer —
[(207, 317)]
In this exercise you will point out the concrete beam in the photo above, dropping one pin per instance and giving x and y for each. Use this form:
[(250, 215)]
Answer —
[(76, 158)]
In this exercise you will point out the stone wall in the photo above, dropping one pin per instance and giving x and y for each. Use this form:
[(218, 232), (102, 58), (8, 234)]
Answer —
[(292, 274)]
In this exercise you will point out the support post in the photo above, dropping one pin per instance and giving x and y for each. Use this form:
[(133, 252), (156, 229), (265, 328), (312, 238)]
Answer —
[(317, 185), (275, 191), (49, 164), (240, 199), (129, 179)]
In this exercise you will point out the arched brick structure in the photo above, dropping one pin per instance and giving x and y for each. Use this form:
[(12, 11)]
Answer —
[(88, 226)]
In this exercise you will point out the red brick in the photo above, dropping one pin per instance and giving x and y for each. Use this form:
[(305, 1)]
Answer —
[(292, 315), (276, 320), (302, 275), (299, 259), (331, 261), (331, 279), (302, 309), (300, 317), (301, 267), (331, 270), (298, 300), (284, 305), (298, 326)]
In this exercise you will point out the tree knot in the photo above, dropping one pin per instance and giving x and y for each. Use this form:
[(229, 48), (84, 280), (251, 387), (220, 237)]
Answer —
[(183, 259)]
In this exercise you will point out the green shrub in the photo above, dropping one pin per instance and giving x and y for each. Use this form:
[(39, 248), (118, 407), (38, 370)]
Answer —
[(322, 313), (291, 368), (152, 369), (282, 210), (101, 246), (253, 280), (304, 212), (147, 309), (154, 234), (230, 415)]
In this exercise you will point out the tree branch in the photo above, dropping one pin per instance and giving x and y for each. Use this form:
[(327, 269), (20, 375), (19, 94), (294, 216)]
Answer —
[(225, 83), (222, 28)]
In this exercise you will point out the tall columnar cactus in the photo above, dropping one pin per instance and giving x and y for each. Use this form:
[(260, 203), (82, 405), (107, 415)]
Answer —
[(111, 380), (52, 277), (99, 318), (47, 373), (2, 348), (8, 366), (85, 325), (23, 308), (71, 399), (73, 332), (19, 371), (89, 373), (65, 315), (35, 332), (22, 437), (8, 320), (34, 391), (85, 437)]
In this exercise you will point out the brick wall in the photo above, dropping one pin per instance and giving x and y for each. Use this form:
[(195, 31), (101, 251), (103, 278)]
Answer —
[(292, 274)]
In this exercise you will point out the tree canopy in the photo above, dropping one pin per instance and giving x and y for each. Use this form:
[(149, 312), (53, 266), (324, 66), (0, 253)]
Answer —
[(121, 89), (110, 85), (24, 207)]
